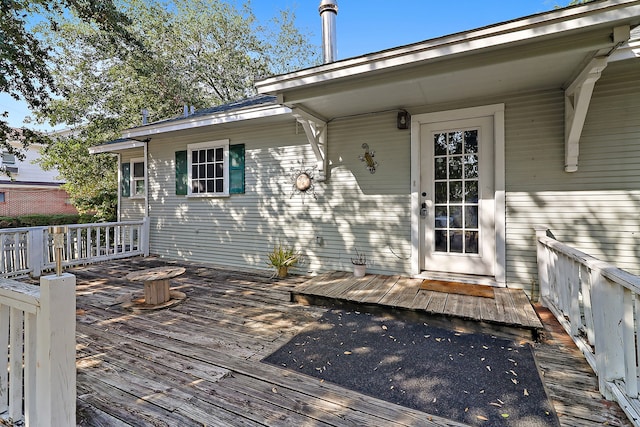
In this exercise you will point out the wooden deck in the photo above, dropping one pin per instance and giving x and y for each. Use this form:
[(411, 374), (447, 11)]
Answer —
[(509, 312), (198, 363)]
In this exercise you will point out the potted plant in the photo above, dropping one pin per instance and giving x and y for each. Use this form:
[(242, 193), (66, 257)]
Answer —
[(282, 258), (359, 264)]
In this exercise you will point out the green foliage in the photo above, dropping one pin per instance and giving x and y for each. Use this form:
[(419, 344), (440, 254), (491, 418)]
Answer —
[(191, 52), (45, 220), (282, 256)]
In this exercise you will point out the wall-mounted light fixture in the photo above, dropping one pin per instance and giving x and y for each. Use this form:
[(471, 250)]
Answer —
[(403, 119)]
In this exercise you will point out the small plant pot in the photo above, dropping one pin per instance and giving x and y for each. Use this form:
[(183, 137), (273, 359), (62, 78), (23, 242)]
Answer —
[(359, 270), (283, 272)]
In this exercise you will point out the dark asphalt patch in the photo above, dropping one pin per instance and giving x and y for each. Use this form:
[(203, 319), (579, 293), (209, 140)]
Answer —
[(471, 378)]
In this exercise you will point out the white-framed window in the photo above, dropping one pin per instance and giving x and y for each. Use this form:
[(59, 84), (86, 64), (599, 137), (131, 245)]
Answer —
[(137, 179), (208, 168), (8, 158)]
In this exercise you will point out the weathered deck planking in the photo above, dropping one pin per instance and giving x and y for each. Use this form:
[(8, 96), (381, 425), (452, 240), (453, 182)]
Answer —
[(510, 307), (198, 363)]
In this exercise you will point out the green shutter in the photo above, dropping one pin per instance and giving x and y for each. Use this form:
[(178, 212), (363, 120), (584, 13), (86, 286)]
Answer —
[(125, 180), (236, 169), (182, 174)]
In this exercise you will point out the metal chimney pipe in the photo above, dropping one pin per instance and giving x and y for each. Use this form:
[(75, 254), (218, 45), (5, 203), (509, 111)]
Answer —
[(328, 11)]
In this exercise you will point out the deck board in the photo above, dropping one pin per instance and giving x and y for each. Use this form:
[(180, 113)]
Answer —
[(198, 362)]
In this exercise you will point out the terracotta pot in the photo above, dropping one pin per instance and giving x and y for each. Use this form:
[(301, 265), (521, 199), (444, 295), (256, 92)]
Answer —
[(283, 272)]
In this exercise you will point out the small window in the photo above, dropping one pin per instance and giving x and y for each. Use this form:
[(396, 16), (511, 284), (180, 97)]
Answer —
[(137, 178), (1, 196), (132, 178), (208, 168), (8, 159)]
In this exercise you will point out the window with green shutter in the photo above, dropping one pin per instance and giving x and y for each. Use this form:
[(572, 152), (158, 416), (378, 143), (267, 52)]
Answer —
[(236, 169), (125, 180)]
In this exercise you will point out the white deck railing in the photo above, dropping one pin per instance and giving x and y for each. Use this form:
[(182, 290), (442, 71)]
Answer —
[(598, 304), (37, 335), (30, 250)]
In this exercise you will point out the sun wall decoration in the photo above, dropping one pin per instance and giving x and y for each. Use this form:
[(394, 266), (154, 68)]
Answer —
[(302, 182)]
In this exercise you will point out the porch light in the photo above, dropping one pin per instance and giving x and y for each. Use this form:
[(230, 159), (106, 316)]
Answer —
[(403, 119)]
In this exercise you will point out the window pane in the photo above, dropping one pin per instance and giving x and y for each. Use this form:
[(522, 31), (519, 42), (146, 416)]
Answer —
[(194, 187), (471, 166), (441, 240), (219, 185), (219, 170), (471, 141), (455, 241), (202, 157), (210, 186), (455, 168), (441, 168), (456, 216), (194, 171), (202, 171), (471, 242), (194, 156), (138, 170), (210, 171), (219, 154), (441, 192), (442, 218), (471, 191), (210, 153), (455, 191), (139, 187), (471, 216), (440, 144), (455, 142)]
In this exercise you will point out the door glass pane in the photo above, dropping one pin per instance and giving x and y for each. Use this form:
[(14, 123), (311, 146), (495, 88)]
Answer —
[(455, 241), (456, 191)]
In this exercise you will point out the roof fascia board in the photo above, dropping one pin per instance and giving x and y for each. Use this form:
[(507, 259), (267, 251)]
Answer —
[(214, 119), (116, 146), (531, 28)]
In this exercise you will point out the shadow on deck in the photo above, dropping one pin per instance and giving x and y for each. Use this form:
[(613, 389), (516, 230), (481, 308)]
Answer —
[(508, 313)]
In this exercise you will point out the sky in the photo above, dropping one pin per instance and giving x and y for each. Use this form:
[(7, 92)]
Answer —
[(367, 26)]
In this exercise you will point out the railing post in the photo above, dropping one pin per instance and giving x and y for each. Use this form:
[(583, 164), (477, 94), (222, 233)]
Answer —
[(608, 319), (56, 351), (35, 245), (543, 262)]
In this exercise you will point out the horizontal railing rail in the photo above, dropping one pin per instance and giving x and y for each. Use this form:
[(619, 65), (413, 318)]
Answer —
[(598, 304), (30, 251)]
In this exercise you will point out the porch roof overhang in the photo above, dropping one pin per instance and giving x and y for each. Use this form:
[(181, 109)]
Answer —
[(547, 50)]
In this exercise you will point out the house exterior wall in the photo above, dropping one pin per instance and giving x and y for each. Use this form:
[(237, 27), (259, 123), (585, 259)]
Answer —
[(131, 208), (28, 200), (594, 209), (353, 209)]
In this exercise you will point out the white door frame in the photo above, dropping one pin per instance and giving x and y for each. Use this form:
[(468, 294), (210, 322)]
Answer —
[(497, 112)]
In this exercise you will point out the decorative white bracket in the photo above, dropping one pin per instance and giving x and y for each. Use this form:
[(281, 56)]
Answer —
[(316, 130), (577, 98)]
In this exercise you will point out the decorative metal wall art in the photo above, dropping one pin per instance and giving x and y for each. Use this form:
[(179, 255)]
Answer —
[(367, 158), (302, 182)]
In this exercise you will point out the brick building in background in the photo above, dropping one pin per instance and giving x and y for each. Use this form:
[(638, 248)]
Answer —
[(29, 189)]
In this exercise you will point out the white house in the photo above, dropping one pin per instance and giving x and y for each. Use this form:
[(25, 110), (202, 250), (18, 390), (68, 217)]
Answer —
[(435, 158)]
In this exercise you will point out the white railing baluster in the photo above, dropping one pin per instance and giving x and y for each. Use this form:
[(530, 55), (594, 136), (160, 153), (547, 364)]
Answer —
[(16, 337), (4, 357), (30, 369), (594, 297)]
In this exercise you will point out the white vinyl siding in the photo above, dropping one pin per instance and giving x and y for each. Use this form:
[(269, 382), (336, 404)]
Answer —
[(354, 208)]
